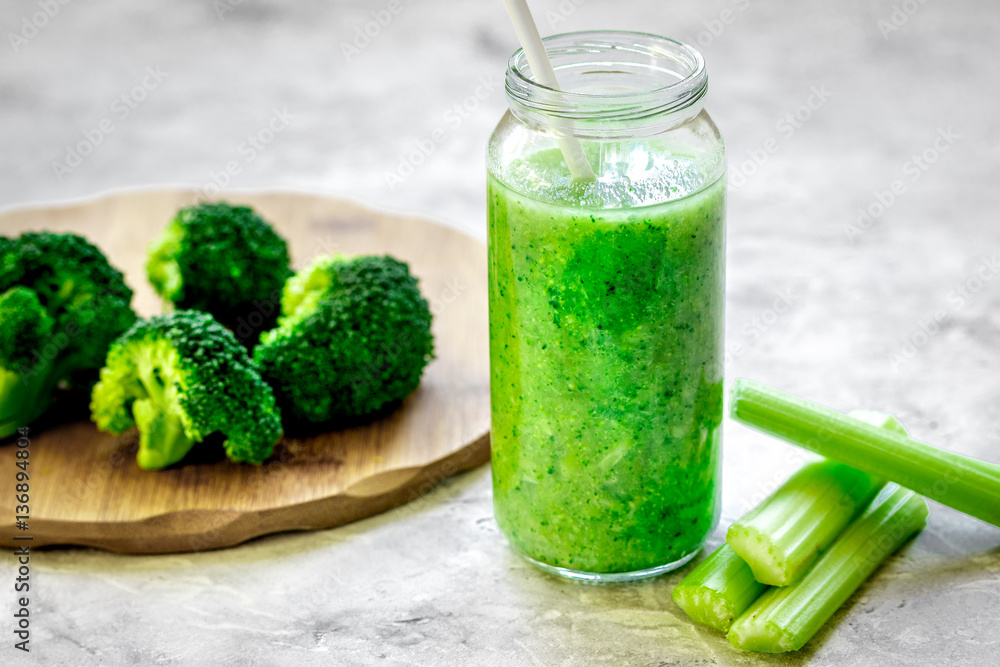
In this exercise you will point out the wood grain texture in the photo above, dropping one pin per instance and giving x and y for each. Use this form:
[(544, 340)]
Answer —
[(86, 488)]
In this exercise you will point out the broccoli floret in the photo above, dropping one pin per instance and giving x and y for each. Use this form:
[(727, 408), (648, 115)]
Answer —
[(61, 306), (23, 322), (224, 260), (353, 339), (182, 377)]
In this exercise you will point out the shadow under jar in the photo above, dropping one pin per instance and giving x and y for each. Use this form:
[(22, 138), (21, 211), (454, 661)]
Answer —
[(606, 309)]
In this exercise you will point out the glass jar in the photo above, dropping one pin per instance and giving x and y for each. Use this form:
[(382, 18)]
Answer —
[(606, 308)]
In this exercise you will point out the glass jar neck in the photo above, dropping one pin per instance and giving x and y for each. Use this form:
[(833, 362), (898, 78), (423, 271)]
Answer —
[(613, 85)]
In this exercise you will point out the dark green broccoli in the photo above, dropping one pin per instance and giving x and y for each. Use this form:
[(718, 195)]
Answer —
[(354, 338), (61, 306), (224, 260), (182, 377)]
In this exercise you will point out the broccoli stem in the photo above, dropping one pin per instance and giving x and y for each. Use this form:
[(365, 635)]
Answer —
[(964, 483), (162, 438), (719, 590), (12, 392), (24, 398), (785, 618)]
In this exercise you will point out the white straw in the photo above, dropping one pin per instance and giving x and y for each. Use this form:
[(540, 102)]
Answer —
[(531, 42)]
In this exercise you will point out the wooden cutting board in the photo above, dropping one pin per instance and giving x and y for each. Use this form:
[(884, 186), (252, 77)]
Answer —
[(85, 487)]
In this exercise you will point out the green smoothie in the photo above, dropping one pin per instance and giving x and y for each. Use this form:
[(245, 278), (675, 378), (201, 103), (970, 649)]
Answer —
[(606, 335)]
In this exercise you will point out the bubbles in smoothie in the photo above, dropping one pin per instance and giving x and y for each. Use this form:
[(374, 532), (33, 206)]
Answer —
[(628, 175)]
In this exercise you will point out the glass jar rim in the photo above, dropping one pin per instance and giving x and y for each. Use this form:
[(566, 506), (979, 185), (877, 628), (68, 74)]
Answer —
[(653, 55)]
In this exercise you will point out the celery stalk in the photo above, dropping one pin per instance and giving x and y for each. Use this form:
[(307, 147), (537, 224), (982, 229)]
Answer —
[(719, 590), (784, 619), (783, 535), (964, 483)]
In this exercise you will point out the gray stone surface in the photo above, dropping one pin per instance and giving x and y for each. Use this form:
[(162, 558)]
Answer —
[(433, 583)]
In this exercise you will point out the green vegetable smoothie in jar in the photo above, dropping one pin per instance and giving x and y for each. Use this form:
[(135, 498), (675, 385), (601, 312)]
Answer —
[(606, 308)]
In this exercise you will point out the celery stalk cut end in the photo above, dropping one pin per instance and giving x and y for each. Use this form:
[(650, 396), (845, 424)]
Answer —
[(750, 544), (719, 590), (704, 606), (765, 638), (753, 632)]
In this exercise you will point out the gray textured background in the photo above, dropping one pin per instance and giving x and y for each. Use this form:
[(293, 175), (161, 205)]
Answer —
[(433, 583)]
